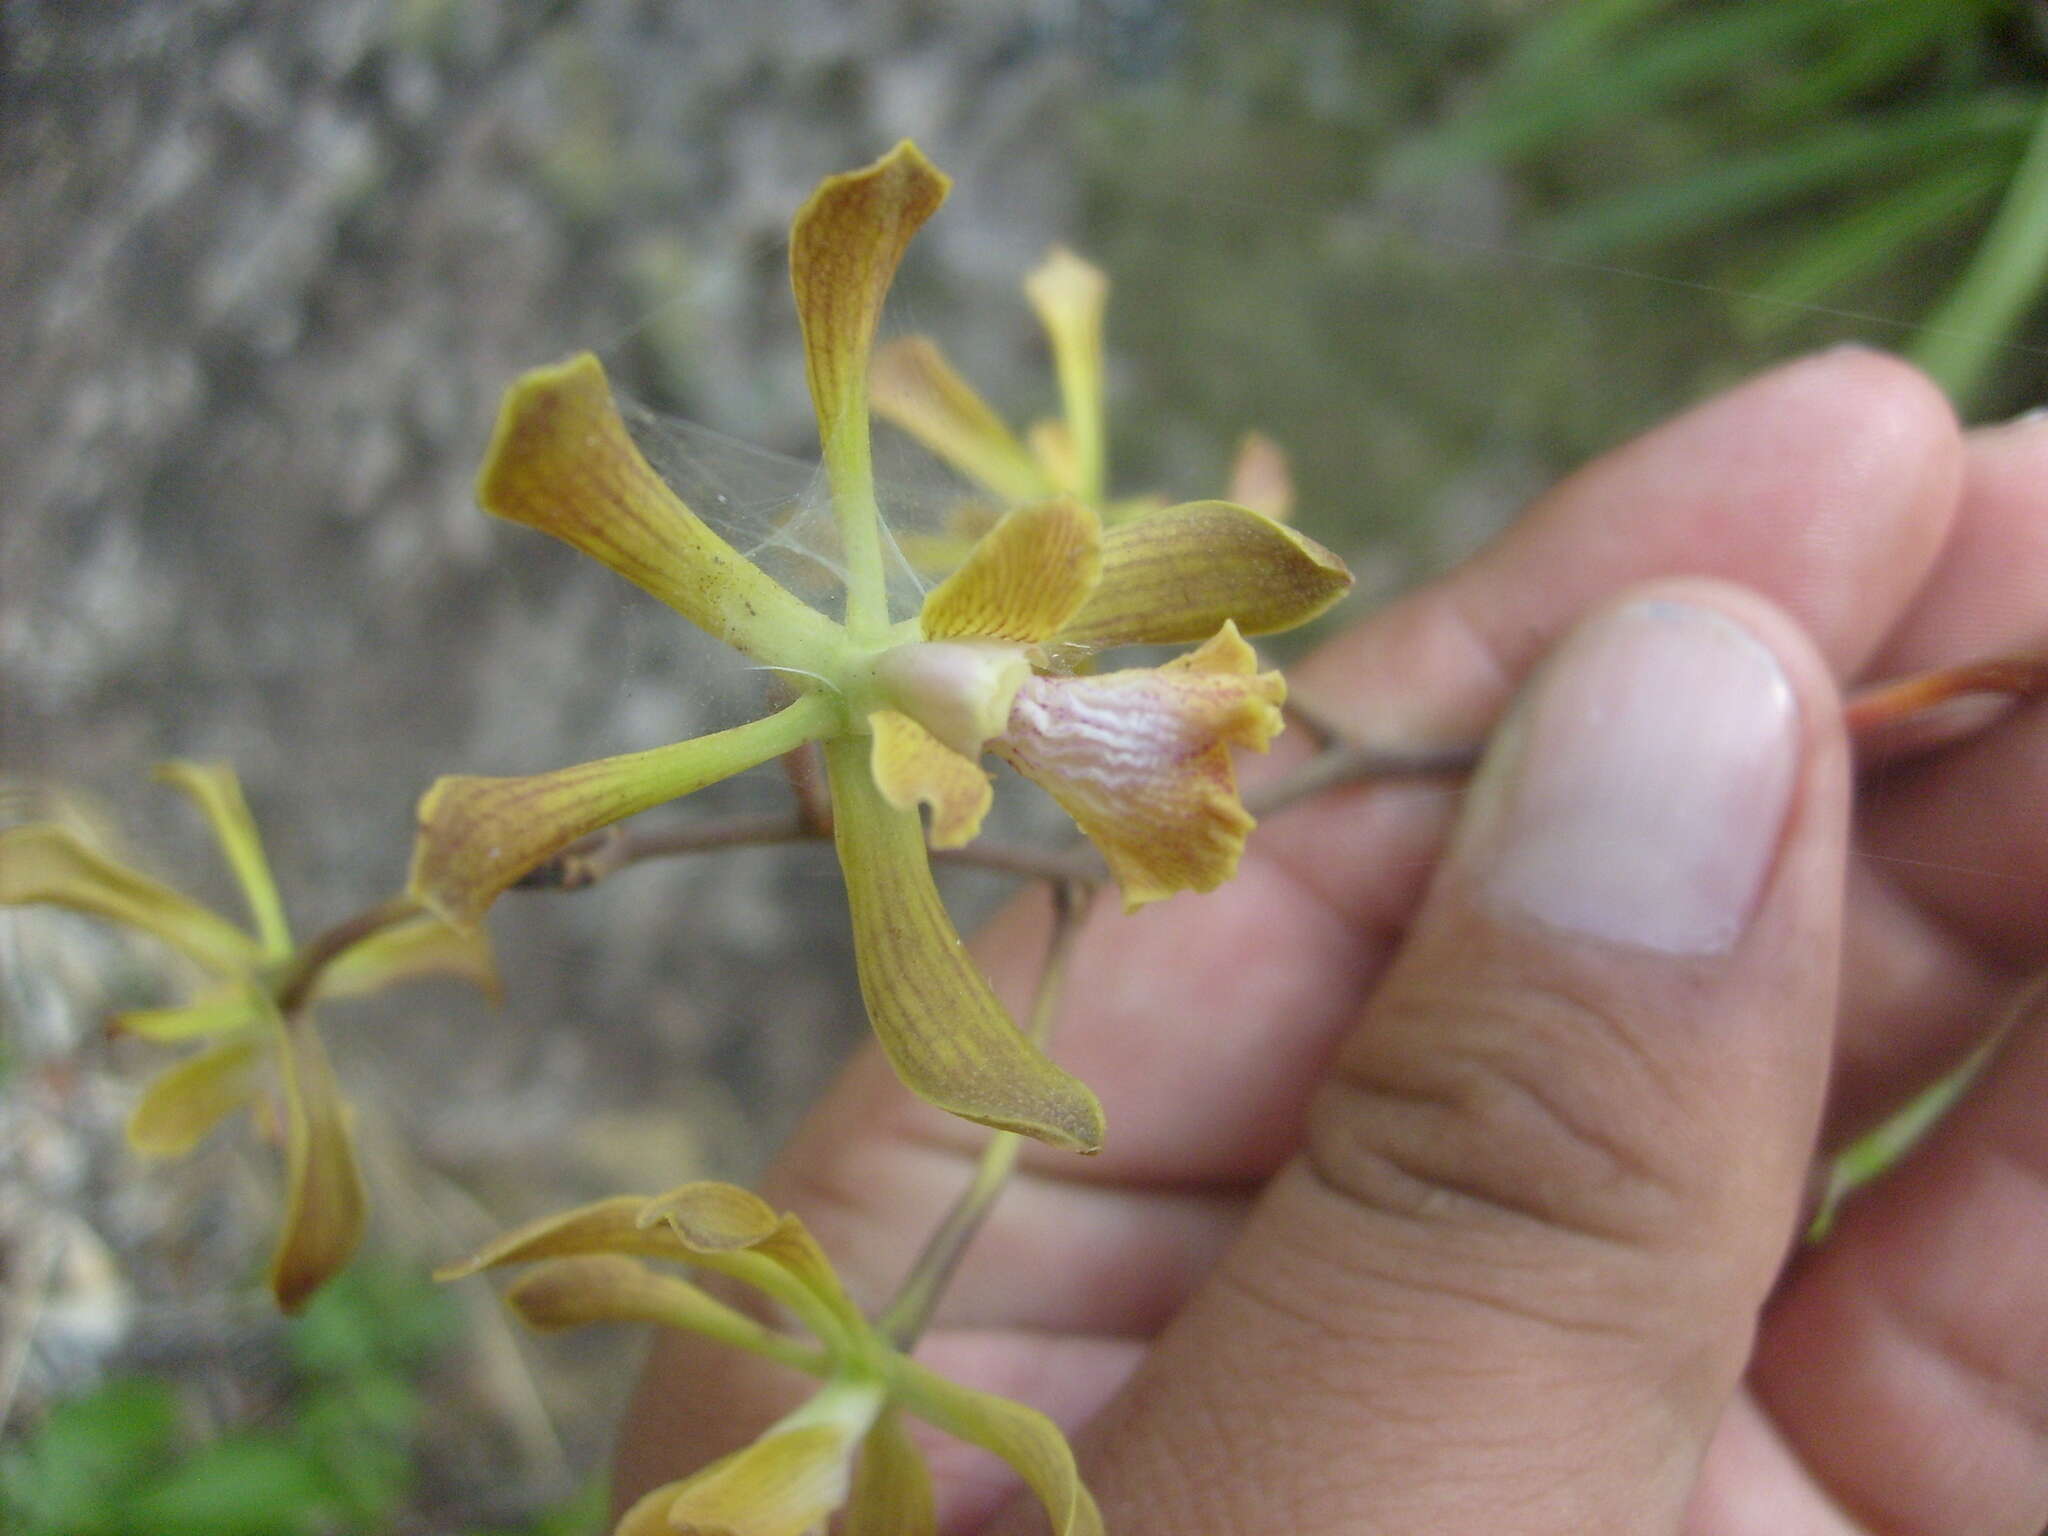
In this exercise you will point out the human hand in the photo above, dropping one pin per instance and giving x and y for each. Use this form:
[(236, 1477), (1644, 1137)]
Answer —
[(1453, 1191)]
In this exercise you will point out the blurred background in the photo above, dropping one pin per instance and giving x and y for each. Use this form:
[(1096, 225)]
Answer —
[(265, 269)]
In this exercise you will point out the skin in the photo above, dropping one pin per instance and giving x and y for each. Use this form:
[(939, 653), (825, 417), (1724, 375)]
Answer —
[(1576, 1303)]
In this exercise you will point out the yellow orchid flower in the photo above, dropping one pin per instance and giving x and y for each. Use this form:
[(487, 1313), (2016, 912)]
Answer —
[(844, 1449), (256, 1016), (904, 709), (916, 389)]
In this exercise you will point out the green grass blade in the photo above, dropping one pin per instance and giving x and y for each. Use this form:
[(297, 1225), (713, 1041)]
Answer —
[(1860, 242), (1587, 93), (2004, 279), (1905, 34), (1983, 126)]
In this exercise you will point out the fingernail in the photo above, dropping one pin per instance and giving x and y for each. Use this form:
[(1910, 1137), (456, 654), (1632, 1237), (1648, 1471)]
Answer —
[(1637, 793), (2027, 418)]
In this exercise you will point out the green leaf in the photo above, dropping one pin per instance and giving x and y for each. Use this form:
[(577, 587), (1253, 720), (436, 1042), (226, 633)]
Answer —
[(75, 1474)]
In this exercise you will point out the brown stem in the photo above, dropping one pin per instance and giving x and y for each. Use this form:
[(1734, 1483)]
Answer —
[(314, 956), (1880, 709)]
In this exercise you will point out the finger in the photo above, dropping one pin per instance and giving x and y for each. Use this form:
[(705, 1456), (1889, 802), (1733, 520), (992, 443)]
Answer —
[(1956, 852), (1511, 1283), (1906, 1359)]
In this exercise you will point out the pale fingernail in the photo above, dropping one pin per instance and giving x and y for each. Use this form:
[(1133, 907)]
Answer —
[(1638, 791)]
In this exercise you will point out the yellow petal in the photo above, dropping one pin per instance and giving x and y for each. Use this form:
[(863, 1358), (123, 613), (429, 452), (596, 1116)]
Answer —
[(427, 946), (732, 1230), (1141, 760), (1026, 578), (221, 1012), (916, 388), (1174, 577), (47, 863), (477, 836), (945, 1033), (184, 1105), (912, 767), (561, 461), (609, 1288), (649, 1514), (214, 788), (782, 1485), (325, 1206), (603, 1226), (1260, 478), (1024, 1437), (892, 1486), (843, 252), (1069, 295)]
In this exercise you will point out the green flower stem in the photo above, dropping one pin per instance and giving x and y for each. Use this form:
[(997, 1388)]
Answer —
[(2005, 276), (727, 1325), (908, 1314), (1082, 409), (849, 469), (770, 1278)]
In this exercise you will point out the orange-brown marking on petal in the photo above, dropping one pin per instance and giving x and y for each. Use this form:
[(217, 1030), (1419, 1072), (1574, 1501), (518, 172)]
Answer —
[(1141, 760)]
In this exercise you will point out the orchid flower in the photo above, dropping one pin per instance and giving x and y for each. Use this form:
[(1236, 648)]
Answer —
[(916, 389), (904, 708), (846, 1448), (256, 1017)]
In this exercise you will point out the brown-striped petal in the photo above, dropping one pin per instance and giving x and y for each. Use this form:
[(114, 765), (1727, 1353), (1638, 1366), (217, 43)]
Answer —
[(325, 1206), (477, 836), (186, 1102), (562, 461), (843, 252), (913, 767), (940, 1024), (1024, 580), (52, 864), (1141, 760), (1069, 295), (914, 386), (214, 788), (1173, 578)]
